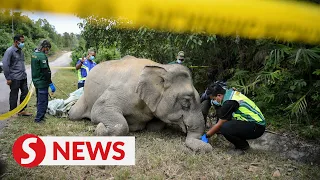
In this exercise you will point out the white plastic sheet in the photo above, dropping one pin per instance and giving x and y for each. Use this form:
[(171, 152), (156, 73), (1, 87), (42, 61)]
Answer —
[(60, 107)]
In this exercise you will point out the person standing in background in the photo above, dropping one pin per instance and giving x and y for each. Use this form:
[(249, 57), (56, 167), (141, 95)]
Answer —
[(15, 73)]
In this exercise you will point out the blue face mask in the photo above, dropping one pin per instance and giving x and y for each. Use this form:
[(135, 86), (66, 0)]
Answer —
[(21, 45), (215, 102), (91, 58), (179, 61)]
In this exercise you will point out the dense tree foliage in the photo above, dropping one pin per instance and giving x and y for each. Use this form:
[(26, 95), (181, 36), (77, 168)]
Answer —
[(282, 78), (33, 31)]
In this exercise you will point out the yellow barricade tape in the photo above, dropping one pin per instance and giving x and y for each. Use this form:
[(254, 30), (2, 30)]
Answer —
[(57, 67), (21, 106), (27, 99), (283, 20), (198, 66)]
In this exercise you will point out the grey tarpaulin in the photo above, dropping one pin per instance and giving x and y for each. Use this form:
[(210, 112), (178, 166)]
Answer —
[(60, 107)]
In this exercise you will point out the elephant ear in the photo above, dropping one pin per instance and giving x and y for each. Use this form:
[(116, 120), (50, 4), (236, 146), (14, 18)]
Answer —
[(151, 85)]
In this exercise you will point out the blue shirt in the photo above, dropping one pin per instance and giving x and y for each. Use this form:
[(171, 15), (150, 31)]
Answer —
[(90, 64)]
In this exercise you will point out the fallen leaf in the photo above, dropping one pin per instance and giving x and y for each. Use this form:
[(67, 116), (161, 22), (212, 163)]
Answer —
[(253, 168), (255, 164), (276, 173), (290, 169)]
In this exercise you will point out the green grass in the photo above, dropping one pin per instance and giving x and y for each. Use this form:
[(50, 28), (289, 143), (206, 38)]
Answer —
[(159, 155)]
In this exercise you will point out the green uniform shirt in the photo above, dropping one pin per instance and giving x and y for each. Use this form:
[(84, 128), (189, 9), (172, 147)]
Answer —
[(41, 73)]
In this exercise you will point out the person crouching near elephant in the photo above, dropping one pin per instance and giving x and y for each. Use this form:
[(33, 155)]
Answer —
[(41, 77), (239, 119), (206, 104)]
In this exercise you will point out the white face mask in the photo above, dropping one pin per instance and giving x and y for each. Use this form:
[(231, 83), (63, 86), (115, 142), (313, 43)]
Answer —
[(179, 61), (215, 102)]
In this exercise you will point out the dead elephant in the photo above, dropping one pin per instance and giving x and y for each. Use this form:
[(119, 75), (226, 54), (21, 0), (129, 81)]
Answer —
[(125, 95)]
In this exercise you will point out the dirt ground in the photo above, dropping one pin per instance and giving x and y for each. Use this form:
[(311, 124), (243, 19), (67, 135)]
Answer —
[(159, 155)]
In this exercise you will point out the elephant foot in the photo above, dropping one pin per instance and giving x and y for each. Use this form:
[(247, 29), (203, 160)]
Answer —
[(198, 145), (101, 130), (155, 125), (116, 130)]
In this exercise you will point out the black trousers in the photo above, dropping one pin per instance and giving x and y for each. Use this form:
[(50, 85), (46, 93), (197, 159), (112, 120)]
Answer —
[(237, 132), (80, 85), (15, 86)]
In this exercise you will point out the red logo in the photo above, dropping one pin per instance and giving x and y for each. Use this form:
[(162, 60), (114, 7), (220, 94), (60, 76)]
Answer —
[(29, 150)]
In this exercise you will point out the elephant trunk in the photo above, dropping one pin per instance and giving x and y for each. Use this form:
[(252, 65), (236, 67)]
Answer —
[(195, 126)]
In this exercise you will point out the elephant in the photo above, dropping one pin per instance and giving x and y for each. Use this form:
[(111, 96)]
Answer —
[(126, 95)]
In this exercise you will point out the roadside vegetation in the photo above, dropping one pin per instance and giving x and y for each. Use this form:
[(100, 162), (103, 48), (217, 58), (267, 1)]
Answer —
[(33, 32)]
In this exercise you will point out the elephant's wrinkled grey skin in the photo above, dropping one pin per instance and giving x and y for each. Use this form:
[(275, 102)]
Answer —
[(124, 95)]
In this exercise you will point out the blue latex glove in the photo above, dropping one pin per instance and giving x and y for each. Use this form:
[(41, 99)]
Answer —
[(204, 138), (53, 89)]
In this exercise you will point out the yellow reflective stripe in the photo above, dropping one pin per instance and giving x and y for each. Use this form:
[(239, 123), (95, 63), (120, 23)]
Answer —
[(283, 20), (251, 105), (247, 109), (239, 117), (79, 72), (253, 116)]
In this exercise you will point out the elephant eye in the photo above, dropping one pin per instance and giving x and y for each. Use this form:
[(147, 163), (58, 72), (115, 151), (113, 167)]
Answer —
[(185, 103)]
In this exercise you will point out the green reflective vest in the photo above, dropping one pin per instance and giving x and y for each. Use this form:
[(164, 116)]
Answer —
[(80, 77), (247, 111)]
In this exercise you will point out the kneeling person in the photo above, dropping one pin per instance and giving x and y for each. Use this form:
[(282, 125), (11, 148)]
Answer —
[(239, 119)]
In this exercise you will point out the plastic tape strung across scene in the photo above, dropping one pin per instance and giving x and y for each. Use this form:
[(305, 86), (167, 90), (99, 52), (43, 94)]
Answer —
[(198, 66), (21, 106), (75, 68), (57, 67), (27, 99), (279, 19)]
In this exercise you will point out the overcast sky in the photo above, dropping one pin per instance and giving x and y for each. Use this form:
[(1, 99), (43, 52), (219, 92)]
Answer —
[(62, 23)]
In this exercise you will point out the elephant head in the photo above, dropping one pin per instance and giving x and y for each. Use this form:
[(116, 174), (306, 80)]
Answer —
[(169, 93)]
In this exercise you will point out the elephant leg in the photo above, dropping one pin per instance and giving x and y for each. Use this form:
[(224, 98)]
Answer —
[(137, 127), (155, 125), (79, 110), (109, 118), (197, 145)]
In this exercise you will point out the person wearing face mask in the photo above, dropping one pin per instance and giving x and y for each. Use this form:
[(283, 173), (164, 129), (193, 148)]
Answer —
[(239, 118), (41, 77), (206, 104), (180, 58), (15, 73), (84, 65)]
